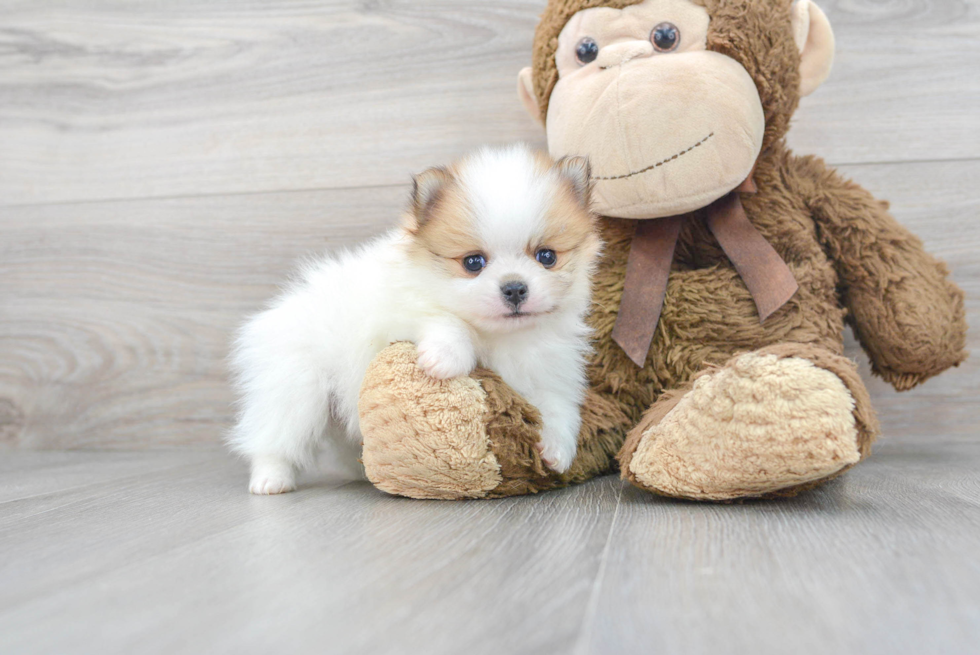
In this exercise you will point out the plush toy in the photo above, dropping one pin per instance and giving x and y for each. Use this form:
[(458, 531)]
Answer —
[(731, 267)]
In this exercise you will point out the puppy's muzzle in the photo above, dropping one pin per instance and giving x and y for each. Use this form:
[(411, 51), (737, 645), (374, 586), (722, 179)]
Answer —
[(515, 293)]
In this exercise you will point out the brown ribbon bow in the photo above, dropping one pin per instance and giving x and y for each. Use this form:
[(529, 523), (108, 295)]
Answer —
[(764, 272)]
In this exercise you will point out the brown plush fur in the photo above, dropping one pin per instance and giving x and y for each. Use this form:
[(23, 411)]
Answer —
[(854, 264), (853, 261), (513, 429)]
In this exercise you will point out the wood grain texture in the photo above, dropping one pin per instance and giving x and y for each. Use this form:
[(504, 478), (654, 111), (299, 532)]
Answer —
[(117, 317), (882, 560), (184, 560), (176, 557), (109, 99), (114, 99), (897, 64)]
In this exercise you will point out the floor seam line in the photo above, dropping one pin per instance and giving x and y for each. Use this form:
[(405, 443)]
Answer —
[(381, 185), (203, 196), (592, 607), (85, 485), (897, 162)]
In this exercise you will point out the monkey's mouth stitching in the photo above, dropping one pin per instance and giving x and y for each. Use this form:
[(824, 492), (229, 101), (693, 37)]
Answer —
[(659, 163)]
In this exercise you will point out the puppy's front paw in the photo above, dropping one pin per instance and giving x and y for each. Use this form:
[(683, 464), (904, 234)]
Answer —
[(444, 360), (556, 455), (559, 436), (271, 475)]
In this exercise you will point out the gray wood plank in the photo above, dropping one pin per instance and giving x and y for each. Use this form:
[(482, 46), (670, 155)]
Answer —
[(219, 253), (32, 474), (109, 99), (114, 330), (189, 562), (880, 561), (884, 100), (115, 317), (114, 99)]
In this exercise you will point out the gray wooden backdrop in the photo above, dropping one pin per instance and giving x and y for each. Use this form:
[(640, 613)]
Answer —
[(164, 164)]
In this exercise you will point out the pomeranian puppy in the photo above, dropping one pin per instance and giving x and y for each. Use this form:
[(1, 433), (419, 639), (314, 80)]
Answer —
[(491, 267)]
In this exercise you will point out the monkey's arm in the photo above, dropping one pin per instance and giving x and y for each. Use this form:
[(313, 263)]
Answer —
[(905, 311)]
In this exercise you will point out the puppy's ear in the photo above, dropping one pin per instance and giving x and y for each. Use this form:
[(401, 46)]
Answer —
[(578, 173), (427, 188)]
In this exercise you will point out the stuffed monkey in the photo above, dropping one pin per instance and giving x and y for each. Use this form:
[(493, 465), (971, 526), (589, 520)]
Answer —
[(731, 267)]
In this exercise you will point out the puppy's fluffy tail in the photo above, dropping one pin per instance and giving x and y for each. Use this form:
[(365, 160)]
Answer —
[(283, 401)]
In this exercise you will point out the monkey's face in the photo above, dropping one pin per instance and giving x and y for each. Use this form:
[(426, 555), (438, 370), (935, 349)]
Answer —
[(667, 125)]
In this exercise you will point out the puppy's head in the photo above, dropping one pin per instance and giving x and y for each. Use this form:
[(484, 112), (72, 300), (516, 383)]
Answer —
[(508, 235)]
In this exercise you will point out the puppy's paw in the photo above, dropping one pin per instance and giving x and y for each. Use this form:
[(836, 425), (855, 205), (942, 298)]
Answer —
[(556, 455), (271, 475), (269, 486), (444, 360)]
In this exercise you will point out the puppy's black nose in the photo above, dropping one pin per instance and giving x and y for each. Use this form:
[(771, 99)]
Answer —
[(514, 293)]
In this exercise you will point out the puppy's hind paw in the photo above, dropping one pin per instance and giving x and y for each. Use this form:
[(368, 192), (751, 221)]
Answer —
[(266, 486), (271, 476)]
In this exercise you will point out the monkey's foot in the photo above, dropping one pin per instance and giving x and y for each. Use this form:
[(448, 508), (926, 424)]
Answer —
[(770, 422), (466, 437)]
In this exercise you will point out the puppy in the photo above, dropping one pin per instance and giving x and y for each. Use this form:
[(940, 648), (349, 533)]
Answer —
[(491, 267)]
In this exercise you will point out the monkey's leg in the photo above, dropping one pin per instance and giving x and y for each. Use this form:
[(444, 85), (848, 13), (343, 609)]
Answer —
[(771, 422), (471, 437)]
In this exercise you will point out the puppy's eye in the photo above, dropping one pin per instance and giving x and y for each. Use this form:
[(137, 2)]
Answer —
[(546, 258), (587, 50), (474, 263), (665, 37)]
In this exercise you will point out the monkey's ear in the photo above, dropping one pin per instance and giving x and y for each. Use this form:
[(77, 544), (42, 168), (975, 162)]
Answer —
[(815, 40), (427, 187), (525, 89), (578, 173)]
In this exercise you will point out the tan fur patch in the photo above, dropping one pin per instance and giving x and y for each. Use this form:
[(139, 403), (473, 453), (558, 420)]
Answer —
[(542, 162), (445, 233), (571, 230), (427, 437), (760, 423)]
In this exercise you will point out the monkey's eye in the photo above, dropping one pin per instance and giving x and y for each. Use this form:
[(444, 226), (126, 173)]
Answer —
[(665, 37), (587, 50), (546, 258), (474, 263)]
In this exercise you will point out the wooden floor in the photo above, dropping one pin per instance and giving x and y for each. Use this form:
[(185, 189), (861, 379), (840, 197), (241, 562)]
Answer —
[(164, 164), (165, 553)]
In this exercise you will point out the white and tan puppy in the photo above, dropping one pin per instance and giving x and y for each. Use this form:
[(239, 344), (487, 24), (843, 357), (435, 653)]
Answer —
[(492, 267)]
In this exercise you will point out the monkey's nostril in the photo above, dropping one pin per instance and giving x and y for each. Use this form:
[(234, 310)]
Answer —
[(514, 293)]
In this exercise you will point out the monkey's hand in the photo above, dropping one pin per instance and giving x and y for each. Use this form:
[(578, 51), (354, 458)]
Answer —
[(906, 313)]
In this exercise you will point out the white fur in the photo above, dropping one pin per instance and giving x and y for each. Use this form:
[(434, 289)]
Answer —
[(299, 364)]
